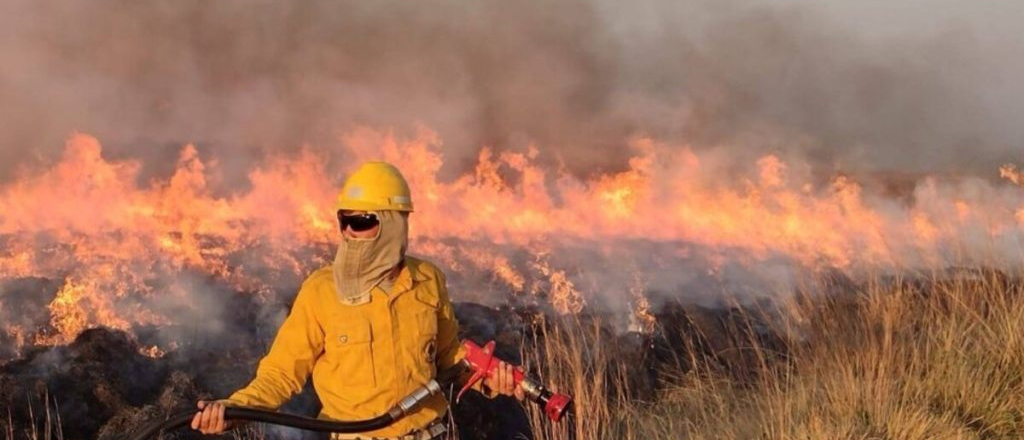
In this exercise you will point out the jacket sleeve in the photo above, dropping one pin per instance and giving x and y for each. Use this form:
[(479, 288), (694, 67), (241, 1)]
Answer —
[(449, 348), (285, 369)]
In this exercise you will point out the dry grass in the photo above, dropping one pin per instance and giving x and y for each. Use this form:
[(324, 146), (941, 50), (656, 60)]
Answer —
[(45, 426), (943, 360)]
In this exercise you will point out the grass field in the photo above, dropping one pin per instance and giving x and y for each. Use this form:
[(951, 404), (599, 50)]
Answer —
[(895, 360)]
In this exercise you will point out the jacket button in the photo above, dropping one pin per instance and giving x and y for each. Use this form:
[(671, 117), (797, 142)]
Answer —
[(343, 339)]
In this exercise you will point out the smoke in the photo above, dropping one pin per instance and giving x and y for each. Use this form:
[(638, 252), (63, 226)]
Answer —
[(918, 86)]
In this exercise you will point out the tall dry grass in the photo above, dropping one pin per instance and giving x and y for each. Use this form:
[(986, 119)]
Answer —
[(45, 426), (939, 359)]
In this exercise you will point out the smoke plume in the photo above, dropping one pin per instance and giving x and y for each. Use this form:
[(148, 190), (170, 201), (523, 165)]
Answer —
[(918, 86)]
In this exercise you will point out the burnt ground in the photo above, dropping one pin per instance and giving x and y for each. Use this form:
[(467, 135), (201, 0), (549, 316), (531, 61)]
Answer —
[(103, 388)]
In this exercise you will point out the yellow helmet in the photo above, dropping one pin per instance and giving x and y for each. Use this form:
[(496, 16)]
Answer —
[(375, 186)]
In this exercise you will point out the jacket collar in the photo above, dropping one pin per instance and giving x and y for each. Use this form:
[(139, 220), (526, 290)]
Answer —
[(409, 276)]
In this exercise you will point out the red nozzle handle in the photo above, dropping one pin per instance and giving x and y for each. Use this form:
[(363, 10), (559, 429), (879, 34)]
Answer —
[(480, 361)]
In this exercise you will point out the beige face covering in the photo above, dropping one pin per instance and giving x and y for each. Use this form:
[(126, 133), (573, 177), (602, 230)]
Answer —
[(363, 263)]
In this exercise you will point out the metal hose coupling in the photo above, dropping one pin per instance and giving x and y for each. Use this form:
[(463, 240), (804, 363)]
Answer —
[(414, 398)]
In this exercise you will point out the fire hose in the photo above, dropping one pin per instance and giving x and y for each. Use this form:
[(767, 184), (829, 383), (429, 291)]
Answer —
[(480, 360)]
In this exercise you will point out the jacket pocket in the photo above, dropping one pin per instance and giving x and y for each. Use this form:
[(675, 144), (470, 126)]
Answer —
[(425, 337), (350, 347)]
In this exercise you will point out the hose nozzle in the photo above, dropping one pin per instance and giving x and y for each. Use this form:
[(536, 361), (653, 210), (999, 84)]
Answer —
[(483, 363), (555, 404)]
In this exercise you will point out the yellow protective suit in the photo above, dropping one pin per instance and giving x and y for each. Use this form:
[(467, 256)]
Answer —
[(363, 358)]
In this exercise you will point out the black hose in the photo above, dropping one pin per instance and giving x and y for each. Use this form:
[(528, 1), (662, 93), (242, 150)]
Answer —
[(446, 377), (256, 415)]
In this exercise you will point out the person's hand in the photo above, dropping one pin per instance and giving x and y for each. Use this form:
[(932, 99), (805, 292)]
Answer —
[(210, 418), (502, 382)]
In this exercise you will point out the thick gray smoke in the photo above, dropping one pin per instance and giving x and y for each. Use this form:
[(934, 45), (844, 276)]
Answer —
[(874, 85)]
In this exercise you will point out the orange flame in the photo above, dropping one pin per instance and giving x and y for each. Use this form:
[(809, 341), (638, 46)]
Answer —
[(87, 221)]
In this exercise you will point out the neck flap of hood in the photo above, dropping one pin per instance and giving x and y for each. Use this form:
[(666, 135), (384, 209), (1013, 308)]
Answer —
[(364, 263)]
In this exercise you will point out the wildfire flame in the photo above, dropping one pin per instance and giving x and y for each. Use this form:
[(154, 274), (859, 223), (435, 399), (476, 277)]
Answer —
[(87, 221)]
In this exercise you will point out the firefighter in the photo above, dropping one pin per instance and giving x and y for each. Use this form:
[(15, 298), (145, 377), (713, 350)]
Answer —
[(370, 328)]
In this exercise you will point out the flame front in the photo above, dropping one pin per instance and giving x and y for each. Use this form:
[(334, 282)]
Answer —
[(509, 226)]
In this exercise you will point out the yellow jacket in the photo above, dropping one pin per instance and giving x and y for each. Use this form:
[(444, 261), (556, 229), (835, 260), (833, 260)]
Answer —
[(363, 358)]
